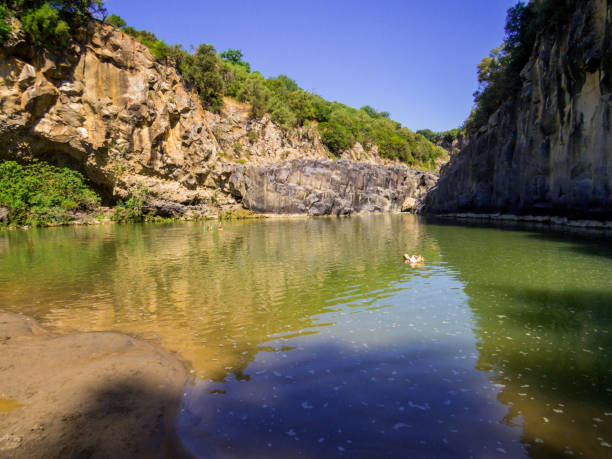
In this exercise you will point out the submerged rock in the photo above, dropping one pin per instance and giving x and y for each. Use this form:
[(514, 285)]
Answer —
[(85, 394)]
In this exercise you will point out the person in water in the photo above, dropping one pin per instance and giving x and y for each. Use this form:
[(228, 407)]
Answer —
[(414, 259)]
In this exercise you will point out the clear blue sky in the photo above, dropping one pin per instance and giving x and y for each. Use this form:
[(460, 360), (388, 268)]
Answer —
[(414, 59)]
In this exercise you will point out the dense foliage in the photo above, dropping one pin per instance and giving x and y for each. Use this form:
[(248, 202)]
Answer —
[(48, 23), (133, 208), (5, 26), (499, 73), (443, 136), (38, 193)]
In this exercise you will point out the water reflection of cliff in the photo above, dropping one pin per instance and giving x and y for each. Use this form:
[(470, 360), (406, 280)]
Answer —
[(214, 299), (543, 320)]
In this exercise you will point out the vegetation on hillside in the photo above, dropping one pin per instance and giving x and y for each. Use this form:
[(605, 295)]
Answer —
[(48, 23), (499, 72), (442, 136), (215, 75), (39, 193)]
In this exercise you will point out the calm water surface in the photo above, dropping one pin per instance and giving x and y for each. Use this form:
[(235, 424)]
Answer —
[(311, 337)]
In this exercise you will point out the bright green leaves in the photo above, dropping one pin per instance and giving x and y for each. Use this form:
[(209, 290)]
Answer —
[(39, 192)]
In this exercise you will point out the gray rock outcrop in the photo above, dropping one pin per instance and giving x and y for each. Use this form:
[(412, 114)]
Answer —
[(549, 150), (321, 187)]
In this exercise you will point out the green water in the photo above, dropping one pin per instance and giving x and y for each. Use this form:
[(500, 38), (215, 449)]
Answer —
[(312, 338)]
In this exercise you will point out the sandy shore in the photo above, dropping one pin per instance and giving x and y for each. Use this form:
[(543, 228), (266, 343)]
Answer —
[(85, 394)]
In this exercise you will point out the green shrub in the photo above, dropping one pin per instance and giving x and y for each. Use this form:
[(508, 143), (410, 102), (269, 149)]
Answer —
[(5, 25), (235, 57), (202, 71), (336, 137), (252, 136), (133, 208), (158, 48), (115, 21), (39, 193), (49, 23), (46, 26)]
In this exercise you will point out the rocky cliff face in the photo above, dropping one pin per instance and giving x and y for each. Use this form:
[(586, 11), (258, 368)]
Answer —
[(550, 149), (105, 107), (454, 146), (320, 187)]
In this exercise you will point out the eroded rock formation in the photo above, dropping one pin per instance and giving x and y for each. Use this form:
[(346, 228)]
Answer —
[(550, 149), (321, 187)]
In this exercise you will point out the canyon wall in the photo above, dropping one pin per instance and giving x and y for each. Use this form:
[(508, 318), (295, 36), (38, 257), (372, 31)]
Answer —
[(549, 150), (104, 106), (322, 187)]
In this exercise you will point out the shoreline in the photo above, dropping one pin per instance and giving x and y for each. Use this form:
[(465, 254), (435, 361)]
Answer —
[(117, 396), (549, 220)]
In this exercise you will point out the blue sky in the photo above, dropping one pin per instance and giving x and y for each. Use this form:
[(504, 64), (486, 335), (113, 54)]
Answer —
[(414, 59)]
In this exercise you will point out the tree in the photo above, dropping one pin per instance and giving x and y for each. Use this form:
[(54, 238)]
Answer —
[(45, 26), (50, 23), (235, 57), (372, 113), (202, 72), (115, 21)]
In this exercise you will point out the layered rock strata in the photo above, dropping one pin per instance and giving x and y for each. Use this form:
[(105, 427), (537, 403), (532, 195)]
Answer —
[(321, 187)]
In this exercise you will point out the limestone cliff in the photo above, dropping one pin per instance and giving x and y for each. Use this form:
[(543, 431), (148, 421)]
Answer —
[(549, 150), (104, 106)]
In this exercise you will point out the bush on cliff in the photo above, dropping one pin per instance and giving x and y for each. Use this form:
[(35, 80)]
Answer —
[(201, 70), (5, 26), (214, 76), (39, 193), (499, 73), (49, 23), (133, 208)]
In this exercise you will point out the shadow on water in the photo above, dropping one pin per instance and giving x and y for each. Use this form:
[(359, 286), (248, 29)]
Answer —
[(542, 305), (556, 368), (586, 241)]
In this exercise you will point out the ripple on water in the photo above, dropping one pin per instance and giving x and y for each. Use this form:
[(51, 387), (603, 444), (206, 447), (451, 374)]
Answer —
[(313, 337)]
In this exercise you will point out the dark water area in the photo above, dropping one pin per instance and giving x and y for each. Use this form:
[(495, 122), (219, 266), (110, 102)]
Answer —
[(312, 337)]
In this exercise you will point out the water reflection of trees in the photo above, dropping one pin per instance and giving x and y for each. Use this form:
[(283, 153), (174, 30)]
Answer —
[(543, 321), (213, 298)]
